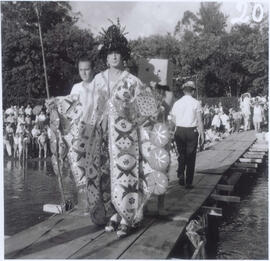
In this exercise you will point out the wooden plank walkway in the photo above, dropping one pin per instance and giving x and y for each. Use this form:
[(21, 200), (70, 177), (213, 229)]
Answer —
[(219, 157), (71, 236)]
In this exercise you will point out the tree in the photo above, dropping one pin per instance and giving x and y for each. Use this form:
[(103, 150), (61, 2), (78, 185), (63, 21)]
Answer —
[(62, 55), (225, 63), (202, 54), (257, 64), (209, 20), (248, 53), (23, 74), (166, 47)]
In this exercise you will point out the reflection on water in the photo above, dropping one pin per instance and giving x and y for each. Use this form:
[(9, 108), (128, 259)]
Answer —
[(27, 191), (243, 234)]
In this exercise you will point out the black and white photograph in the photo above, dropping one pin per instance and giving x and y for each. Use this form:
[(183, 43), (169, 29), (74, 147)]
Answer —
[(135, 130)]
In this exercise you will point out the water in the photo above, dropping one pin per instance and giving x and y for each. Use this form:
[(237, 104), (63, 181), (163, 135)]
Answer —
[(25, 195), (243, 231), (243, 234)]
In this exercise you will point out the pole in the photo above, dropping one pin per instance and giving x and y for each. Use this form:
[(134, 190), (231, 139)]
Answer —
[(60, 181), (42, 51)]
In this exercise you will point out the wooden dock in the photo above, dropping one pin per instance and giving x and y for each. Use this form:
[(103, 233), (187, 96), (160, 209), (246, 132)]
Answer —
[(71, 236)]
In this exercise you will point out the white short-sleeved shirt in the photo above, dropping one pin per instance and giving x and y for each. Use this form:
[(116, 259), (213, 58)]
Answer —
[(41, 117), (185, 112), (216, 121), (224, 118), (82, 91), (9, 111), (206, 111), (35, 132), (28, 111)]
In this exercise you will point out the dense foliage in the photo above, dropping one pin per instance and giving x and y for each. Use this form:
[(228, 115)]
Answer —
[(64, 42), (224, 62)]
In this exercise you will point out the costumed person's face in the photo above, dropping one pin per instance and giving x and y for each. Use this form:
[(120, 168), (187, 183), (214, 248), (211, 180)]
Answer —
[(114, 59), (85, 71)]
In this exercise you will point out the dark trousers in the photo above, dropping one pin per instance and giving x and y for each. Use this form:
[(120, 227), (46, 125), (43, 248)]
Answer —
[(186, 140), (207, 121)]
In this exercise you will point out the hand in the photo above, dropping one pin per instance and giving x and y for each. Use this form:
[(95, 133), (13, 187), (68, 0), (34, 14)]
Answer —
[(50, 103), (153, 84), (75, 97), (201, 138), (162, 108)]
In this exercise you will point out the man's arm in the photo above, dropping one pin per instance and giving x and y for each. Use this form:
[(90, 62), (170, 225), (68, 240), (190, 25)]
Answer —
[(172, 121), (200, 127)]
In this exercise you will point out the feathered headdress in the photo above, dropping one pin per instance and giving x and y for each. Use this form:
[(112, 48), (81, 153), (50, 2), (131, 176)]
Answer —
[(114, 40)]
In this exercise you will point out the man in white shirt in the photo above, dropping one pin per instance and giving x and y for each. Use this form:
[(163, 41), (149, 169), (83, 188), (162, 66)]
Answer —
[(41, 119), (246, 110), (187, 116), (28, 110), (9, 111), (21, 110), (35, 134), (82, 89)]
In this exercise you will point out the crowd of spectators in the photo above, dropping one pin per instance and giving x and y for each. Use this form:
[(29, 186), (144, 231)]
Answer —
[(26, 129), (220, 122)]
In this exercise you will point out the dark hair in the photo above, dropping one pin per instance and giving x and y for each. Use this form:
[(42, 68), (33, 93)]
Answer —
[(188, 89), (114, 40), (85, 59)]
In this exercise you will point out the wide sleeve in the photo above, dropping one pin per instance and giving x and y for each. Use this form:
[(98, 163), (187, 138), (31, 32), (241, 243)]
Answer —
[(97, 103), (145, 101)]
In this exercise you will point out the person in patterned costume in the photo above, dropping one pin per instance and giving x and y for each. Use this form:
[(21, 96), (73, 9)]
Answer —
[(117, 114), (126, 113), (114, 146)]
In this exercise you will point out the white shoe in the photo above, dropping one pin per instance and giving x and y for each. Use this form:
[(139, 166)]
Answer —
[(111, 226)]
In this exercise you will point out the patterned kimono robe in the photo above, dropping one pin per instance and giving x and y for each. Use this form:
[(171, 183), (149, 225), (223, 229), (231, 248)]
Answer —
[(103, 146), (120, 120), (78, 145)]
